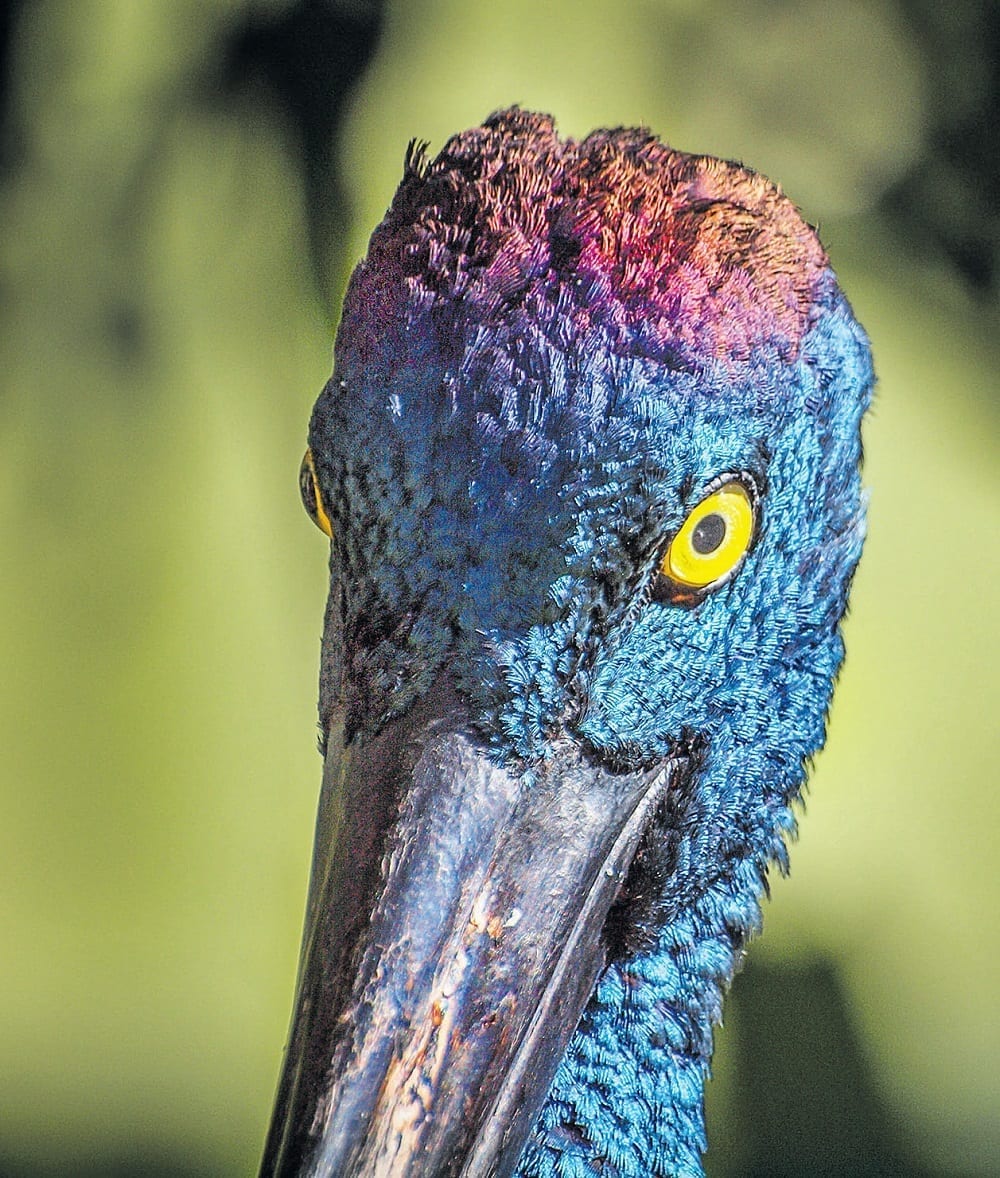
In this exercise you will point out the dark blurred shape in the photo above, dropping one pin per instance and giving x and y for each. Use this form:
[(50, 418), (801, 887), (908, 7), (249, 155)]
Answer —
[(950, 201), (309, 57), (10, 12), (804, 1096)]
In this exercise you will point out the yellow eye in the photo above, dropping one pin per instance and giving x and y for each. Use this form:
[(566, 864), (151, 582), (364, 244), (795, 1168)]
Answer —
[(311, 497), (712, 540)]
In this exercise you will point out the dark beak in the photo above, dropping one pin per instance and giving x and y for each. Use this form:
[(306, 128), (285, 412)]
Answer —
[(453, 936)]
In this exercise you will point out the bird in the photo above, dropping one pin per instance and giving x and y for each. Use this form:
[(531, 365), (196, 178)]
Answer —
[(589, 465)]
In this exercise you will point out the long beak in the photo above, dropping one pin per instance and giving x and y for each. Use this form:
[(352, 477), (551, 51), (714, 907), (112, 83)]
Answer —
[(453, 936)]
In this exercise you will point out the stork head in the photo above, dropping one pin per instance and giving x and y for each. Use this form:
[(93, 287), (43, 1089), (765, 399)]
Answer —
[(589, 464)]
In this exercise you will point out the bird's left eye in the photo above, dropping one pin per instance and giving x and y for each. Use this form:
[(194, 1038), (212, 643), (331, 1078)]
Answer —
[(312, 498), (711, 542)]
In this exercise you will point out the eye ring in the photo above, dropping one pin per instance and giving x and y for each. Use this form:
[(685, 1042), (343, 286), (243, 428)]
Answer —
[(711, 544), (312, 498)]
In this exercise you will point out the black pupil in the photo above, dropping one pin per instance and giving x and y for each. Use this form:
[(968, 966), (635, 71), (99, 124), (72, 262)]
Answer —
[(708, 533)]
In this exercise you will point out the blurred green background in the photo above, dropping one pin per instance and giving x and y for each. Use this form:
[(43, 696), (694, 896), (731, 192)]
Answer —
[(184, 188)]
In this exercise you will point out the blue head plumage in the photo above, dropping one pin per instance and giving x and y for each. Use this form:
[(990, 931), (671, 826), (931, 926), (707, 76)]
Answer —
[(590, 458)]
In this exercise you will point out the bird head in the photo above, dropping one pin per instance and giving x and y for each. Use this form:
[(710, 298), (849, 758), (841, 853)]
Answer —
[(589, 462)]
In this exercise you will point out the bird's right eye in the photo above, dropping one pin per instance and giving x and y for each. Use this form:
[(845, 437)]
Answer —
[(312, 498), (710, 544)]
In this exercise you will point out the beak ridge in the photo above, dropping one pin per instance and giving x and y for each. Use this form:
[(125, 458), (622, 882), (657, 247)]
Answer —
[(453, 937)]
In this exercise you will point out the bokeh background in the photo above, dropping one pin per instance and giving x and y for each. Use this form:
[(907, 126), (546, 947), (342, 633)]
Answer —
[(185, 185)]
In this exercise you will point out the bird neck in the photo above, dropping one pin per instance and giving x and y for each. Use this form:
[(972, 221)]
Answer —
[(628, 1099)]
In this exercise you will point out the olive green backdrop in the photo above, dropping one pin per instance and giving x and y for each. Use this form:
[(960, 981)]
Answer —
[(184, 189)]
